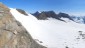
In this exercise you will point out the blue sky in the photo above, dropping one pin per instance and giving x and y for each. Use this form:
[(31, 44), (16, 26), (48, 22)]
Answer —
[(73, 7)]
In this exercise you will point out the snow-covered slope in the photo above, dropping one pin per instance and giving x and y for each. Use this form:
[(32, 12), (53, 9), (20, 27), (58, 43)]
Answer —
[(53, 33)]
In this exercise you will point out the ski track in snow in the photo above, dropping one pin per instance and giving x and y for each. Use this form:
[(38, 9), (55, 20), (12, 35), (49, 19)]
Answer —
[(53, 33)]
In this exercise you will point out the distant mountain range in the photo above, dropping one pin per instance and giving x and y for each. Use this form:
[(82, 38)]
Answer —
[(44, 15), (51, 14), (79, 19)]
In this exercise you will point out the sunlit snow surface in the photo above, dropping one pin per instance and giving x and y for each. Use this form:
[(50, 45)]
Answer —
[(53, 33)]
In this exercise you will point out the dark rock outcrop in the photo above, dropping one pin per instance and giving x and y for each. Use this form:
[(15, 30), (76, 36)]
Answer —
[(12, 33), (22, 11)]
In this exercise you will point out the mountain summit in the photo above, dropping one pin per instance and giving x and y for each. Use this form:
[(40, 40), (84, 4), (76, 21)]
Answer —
[(12, 33)]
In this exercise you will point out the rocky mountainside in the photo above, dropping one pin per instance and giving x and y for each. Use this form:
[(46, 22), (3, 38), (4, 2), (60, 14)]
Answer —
[(12, 33)]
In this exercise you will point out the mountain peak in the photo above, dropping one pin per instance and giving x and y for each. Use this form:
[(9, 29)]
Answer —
[(36, 13)]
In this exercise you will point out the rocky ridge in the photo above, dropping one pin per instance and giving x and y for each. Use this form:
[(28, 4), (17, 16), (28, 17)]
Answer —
[(44, 15), (12, 33)]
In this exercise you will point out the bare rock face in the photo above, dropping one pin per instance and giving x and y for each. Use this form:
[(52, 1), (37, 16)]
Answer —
[(12, 33)]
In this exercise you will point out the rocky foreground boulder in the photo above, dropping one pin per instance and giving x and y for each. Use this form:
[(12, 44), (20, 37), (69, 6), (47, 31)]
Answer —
[(12, 33)]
